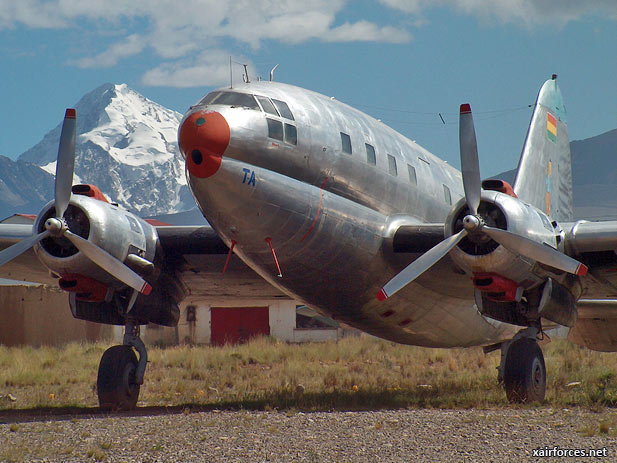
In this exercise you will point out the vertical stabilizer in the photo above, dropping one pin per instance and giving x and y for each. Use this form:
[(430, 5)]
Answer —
[(544, 174)]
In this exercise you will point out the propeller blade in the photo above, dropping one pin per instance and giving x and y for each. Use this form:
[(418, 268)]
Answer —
[(470, 165), (109, 263), (536, 251), (419, 266), (20, 247), (65, 163)]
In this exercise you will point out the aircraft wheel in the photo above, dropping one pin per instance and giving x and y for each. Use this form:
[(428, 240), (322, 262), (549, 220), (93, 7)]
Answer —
[(525, 372), (116, 379)]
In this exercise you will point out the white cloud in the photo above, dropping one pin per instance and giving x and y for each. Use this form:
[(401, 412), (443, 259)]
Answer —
[(181, 33), (365, 31), (187, 35), (210, 68), (133, 45), (31, 13), (525, 12)]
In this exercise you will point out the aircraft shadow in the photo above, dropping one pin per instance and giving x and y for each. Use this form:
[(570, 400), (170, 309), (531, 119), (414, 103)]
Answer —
[(306, 402)]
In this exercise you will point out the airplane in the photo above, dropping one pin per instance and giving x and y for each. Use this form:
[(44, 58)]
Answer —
[(345, 215)]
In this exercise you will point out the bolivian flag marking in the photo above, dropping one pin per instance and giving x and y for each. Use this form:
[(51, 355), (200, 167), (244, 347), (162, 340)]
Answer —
[(551, 127)]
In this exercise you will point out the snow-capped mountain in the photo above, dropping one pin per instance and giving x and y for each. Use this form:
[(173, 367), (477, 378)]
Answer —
[(127, 146)]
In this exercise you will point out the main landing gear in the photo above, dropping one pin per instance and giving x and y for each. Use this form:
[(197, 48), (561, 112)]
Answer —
[(522, 370), (120, 373)]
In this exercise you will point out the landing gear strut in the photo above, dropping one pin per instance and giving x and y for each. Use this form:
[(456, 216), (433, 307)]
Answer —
[(522, 368), (120, 373)]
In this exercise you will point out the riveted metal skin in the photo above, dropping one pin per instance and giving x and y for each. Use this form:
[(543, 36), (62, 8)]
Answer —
[(330, 214)]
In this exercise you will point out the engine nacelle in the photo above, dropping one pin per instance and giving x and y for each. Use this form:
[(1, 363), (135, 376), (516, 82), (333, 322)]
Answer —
[(95, 295), (118, 232), (159, 307), (479, 254)]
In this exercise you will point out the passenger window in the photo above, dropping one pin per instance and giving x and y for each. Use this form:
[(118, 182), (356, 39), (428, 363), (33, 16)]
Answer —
[(283, 109), (411, 170), (447, 196), (346, 143), (267, 105), (291, 134), (392, 165), (275, 129), (370, 154)]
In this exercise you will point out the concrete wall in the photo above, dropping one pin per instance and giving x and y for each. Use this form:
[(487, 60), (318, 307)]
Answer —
[(38, 315), (282, 318), (282, 315)]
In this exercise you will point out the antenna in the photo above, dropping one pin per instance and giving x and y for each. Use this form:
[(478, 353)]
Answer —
[(231, 75), (272, 73)]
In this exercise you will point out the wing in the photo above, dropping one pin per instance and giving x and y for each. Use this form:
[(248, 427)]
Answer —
[(592, 243), (196, 255), (595, 244), (25, 267)]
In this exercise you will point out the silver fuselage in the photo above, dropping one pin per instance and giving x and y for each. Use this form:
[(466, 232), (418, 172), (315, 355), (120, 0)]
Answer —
[(329, 216)]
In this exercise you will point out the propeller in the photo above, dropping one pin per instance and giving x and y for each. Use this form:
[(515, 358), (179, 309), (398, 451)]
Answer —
[(470, 166), (58, 227), (65, 164), (474, 223)]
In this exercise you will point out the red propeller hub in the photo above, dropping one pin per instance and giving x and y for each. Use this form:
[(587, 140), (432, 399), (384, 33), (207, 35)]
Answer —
[(204, 137)]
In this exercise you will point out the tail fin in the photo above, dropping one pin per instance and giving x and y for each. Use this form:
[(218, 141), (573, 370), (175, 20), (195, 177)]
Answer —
[(544, 174)]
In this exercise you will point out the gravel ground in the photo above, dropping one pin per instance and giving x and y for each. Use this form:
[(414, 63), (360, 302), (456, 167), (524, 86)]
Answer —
[(159, 435)]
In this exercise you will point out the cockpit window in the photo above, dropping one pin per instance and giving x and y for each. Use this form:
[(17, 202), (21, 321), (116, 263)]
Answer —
[(291, 134), (231, 99), (283, 109), (275, 129), (209, 98), (267, 105)]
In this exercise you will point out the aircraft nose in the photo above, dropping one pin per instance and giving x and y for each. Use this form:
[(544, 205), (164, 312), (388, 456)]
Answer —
[(203, 138)]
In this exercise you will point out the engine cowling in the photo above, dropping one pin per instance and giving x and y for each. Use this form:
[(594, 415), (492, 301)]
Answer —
[(509, 287), (118, 232), (95, 295), (480, 254)]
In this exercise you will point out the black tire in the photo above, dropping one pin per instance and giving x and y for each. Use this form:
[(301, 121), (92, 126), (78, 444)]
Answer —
[(525, 372), (116, 379)]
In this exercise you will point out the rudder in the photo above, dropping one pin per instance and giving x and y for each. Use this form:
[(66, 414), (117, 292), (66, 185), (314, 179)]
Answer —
[(544, 173)]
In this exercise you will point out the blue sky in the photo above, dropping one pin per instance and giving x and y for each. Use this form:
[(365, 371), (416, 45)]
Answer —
[(403, 61)]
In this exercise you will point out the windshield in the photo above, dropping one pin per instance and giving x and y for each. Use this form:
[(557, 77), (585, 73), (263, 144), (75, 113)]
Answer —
[(231, 99)]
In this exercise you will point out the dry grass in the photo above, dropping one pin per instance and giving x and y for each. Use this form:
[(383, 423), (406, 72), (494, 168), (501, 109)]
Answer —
[(355, 373)]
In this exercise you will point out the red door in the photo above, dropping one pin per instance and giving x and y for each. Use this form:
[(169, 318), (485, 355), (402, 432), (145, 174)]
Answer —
[(234, 325)]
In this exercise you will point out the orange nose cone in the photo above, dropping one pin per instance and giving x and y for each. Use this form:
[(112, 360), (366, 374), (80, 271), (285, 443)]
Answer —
[(204, 137)]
